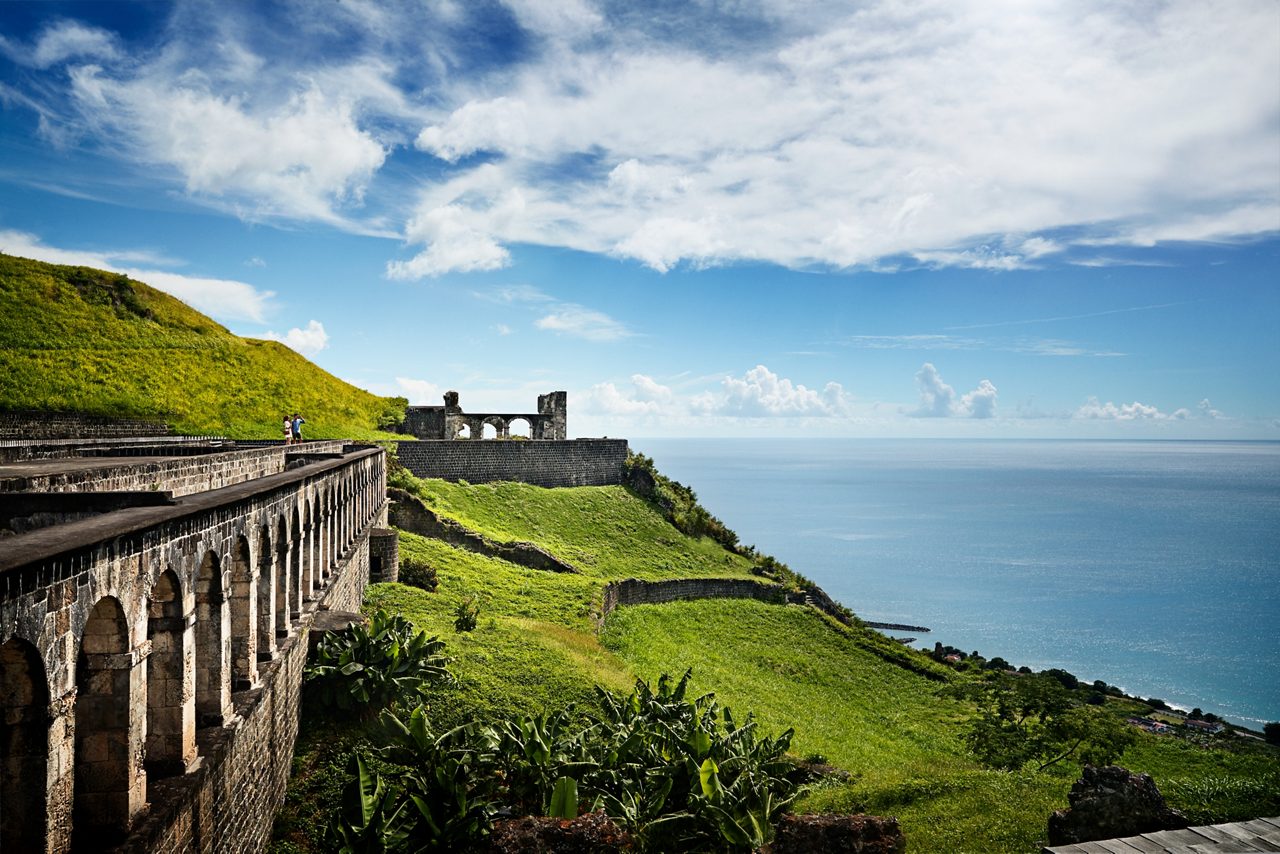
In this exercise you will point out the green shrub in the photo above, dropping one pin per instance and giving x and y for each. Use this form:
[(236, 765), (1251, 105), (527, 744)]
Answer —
[(467, 614), (369, 668), (418, 573)]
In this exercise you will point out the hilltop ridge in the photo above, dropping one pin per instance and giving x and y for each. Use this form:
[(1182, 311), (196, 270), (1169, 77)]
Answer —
[(76, 339)]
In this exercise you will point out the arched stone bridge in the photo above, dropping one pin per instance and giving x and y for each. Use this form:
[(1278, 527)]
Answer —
[(150, 655)]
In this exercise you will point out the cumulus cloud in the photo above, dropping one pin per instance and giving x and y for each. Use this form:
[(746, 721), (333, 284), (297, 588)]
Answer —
[(222, 299), (762, 393), (939, 400), (299, 157), (420, 392), (1094, 410), (308, 342), (645, 397)]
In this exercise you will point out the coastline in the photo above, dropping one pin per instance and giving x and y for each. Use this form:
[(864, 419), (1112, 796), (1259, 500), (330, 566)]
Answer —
[(1027, 549)]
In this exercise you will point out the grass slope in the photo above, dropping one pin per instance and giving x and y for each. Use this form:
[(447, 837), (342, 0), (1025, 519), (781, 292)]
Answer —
[(74, 339), (535, 650)]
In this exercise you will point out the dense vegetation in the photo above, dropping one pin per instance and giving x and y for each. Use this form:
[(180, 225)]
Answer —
[(75, 339), (904, 739)]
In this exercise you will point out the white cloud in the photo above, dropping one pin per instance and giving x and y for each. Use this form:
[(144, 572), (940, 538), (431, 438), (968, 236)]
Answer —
[(308, 342), (647, 397), (582, 322), (222, 299), (298, 158), (1092, 409), (420, 392), (1135, 127), (61, 41), (939, 400), (1206, 410), (762, 393)]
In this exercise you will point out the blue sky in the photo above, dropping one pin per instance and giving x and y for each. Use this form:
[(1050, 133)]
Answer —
[(701, 219)]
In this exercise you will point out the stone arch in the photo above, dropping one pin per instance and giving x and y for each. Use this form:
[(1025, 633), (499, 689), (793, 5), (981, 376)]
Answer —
[(295, 567), (519, 427), (110, 788), (283, 606), (244, 617), (492, 428), (310, 578), (462, 431), (24, 747), (266, 596), (213, 644), (171, 710)]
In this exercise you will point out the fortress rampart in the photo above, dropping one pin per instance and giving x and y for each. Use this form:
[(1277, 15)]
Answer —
[(574, 462), (152, 647)]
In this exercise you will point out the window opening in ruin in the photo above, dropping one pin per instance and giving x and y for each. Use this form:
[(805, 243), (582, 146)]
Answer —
[(213, 687), (520, 428)]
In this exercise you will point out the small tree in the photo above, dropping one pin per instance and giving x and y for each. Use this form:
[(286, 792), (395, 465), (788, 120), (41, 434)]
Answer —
[(1035, 719), (1272, 732)]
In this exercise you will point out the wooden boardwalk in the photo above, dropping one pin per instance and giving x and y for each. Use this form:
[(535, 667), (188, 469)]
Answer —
[(1261, 834)]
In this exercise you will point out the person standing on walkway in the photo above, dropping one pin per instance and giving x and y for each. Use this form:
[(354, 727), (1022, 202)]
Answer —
[(298, 421), (288, 430)]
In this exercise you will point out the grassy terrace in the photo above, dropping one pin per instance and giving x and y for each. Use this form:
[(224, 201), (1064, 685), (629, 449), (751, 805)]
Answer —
[(897, 733)]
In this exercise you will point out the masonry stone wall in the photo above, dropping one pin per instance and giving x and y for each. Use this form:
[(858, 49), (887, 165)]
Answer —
[(181, 475), (384, 556), (154, 655), (573, 462), (635, 591), (52, 425)]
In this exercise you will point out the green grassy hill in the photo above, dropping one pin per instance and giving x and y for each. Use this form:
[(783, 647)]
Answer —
[(75, 339), (898, 734)]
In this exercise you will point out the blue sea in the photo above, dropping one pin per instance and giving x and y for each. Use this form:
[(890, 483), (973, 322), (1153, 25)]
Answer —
[(1154, 566)]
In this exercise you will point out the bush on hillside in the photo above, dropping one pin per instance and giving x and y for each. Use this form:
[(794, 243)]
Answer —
[(365, 669), (679, 774), (418, 573)]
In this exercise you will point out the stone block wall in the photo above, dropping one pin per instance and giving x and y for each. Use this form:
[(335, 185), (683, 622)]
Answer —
[(183, 475), (574, 462), (384, 555), (69, 425), (635, 591)]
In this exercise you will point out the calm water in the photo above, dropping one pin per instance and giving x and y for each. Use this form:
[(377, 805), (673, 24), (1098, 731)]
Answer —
[(1152, 565)]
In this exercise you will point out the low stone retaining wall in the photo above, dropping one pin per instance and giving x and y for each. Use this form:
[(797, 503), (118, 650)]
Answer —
[(409, 514), (635, 591), (71, 425)]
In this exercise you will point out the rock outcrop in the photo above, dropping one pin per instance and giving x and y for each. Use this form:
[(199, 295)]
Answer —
[(1109, 803)]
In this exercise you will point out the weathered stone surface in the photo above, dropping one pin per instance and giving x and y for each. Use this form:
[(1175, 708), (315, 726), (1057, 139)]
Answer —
[(856, 834), (449, 422), (637, 591), (146, 598), (1110, 803), (576, 462)]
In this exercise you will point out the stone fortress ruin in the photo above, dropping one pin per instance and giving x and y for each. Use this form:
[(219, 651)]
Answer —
[(156, 596), (450, 422)]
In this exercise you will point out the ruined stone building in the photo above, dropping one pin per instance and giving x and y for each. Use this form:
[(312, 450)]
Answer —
[(450, 422)]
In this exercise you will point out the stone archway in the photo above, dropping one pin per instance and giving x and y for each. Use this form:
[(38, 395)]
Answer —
[(244, 617), (171, 710), (213, 647), (110, 786), (24, 747)]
